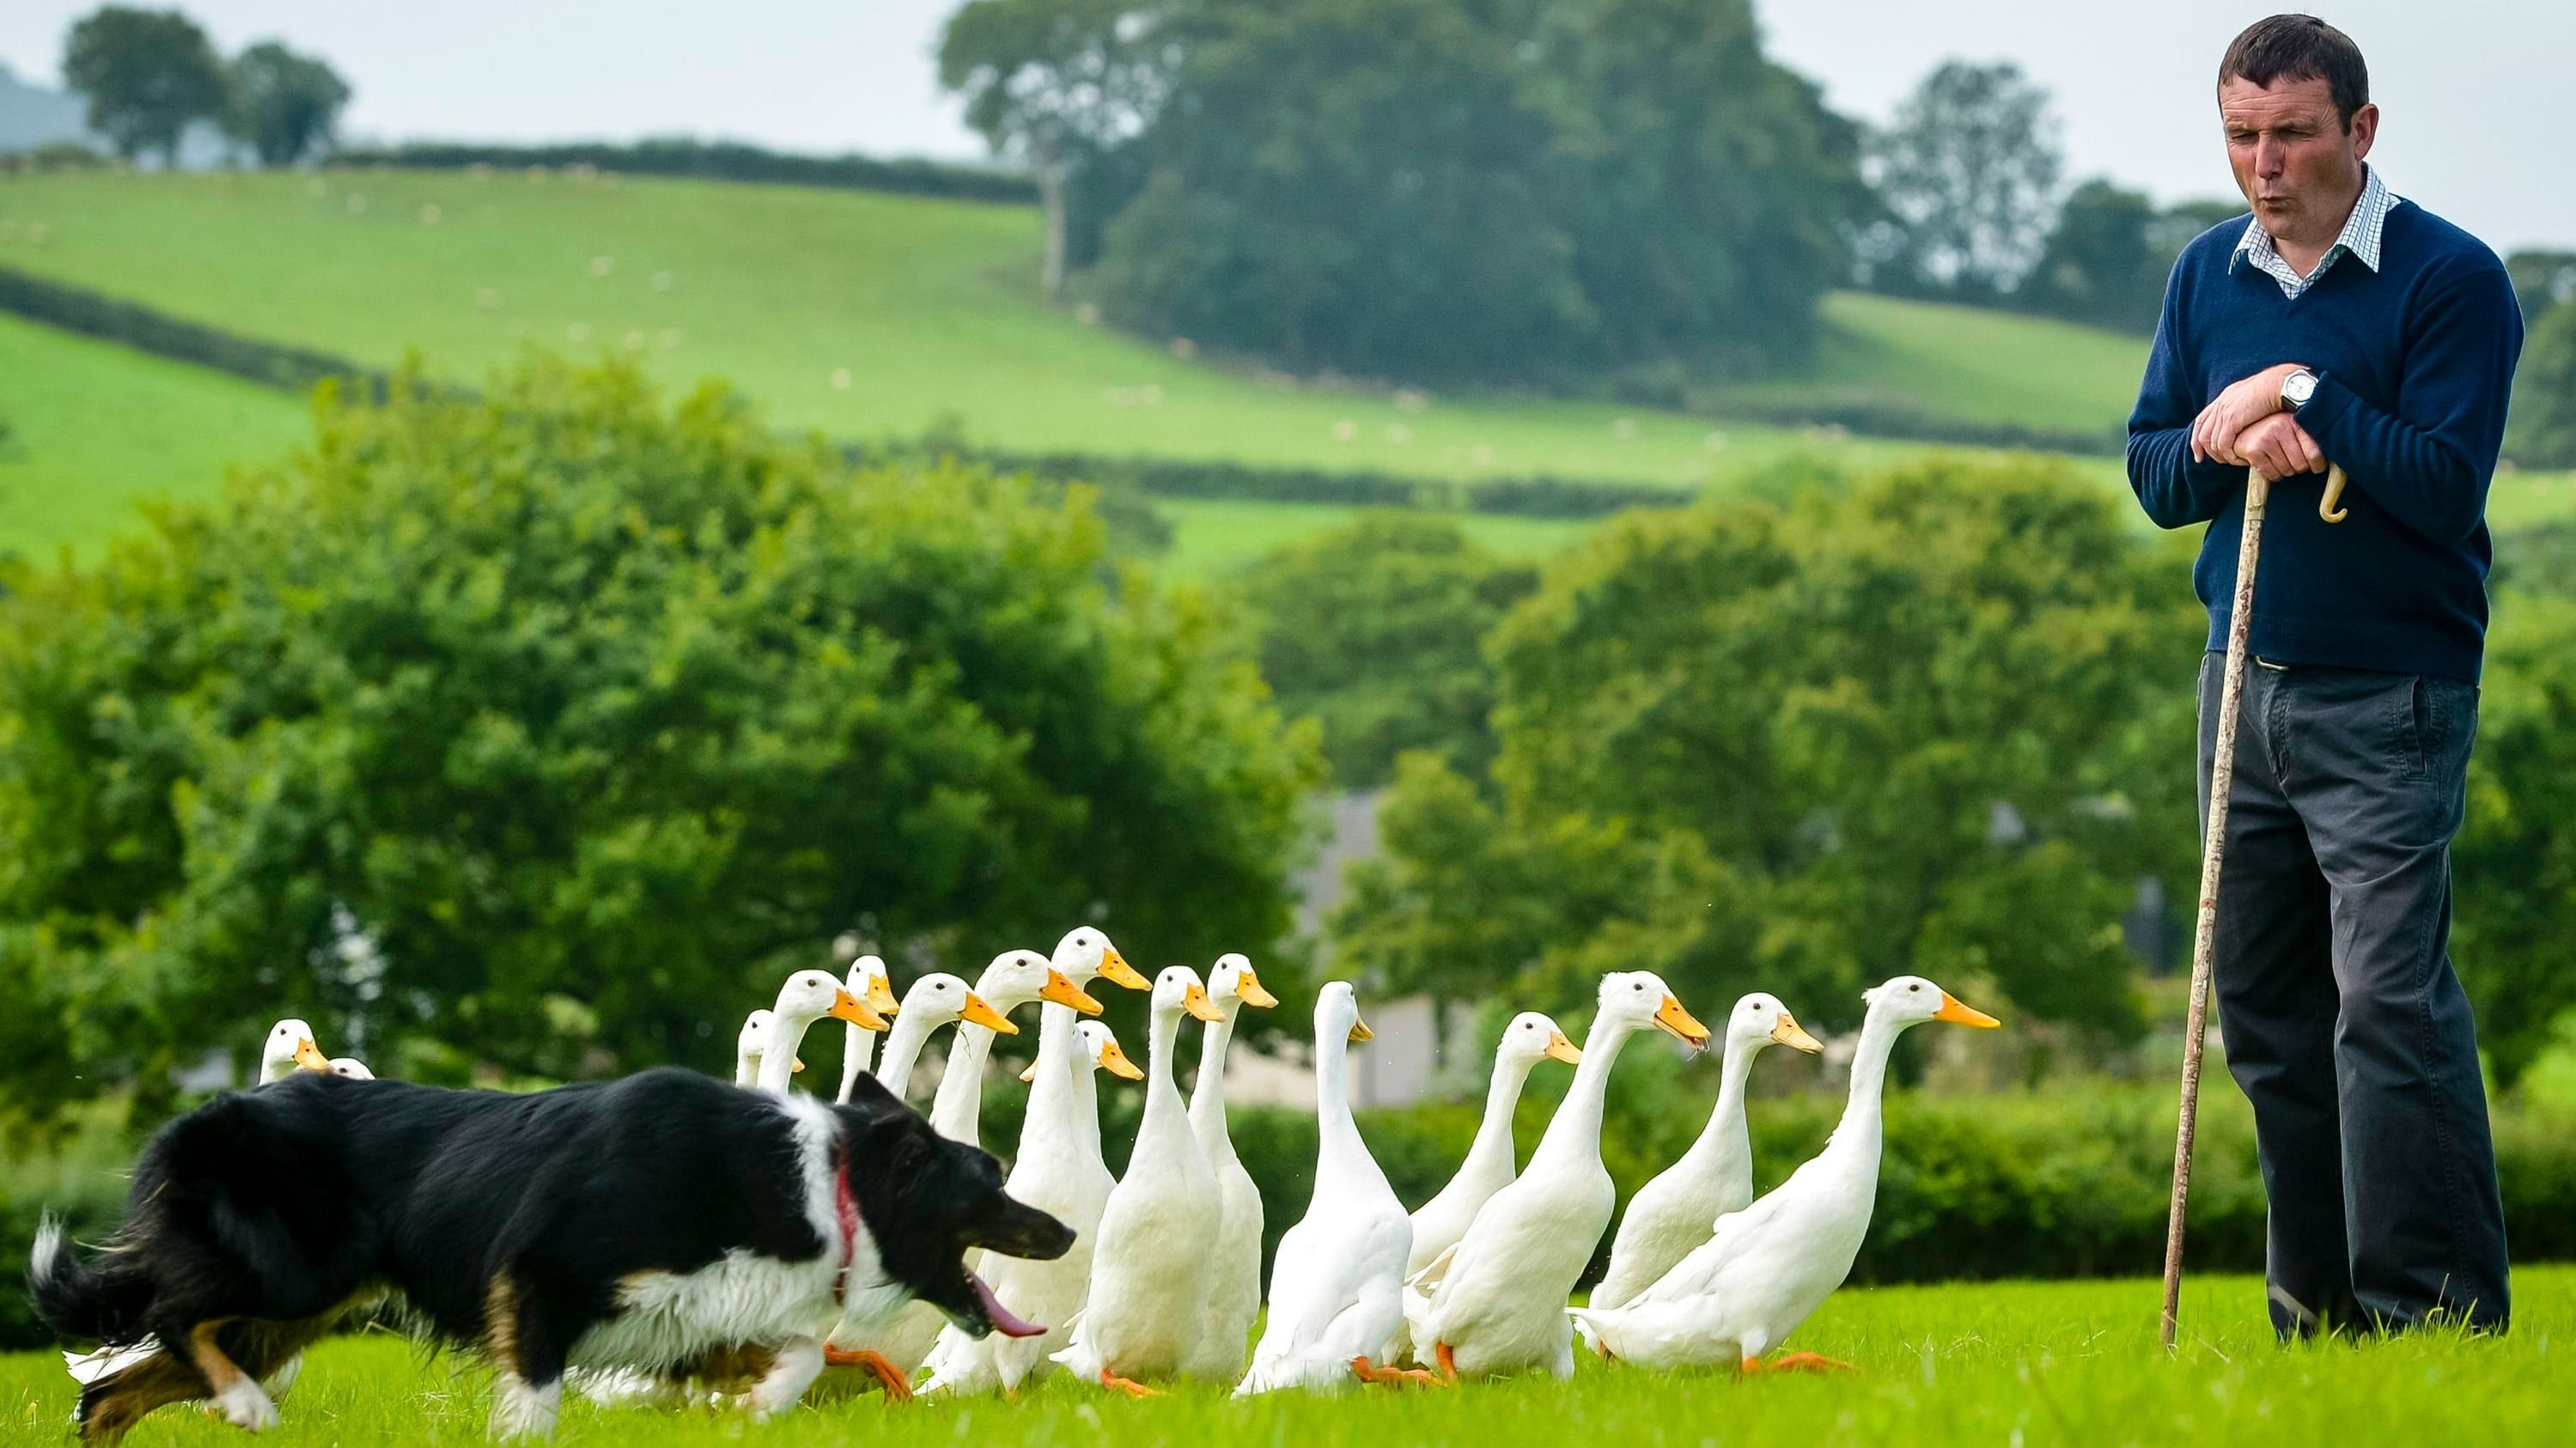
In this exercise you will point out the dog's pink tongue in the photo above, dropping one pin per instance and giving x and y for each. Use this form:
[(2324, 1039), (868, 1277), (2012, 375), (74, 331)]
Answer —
[(1004, 1322)]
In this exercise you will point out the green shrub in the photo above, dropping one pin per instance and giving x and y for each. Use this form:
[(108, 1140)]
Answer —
[(714, 160)]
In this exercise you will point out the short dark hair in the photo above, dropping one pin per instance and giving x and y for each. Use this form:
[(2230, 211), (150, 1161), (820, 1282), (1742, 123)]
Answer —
[(2300, 47)]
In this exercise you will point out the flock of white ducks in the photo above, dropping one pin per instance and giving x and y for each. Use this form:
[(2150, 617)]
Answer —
[(1164, 1279)]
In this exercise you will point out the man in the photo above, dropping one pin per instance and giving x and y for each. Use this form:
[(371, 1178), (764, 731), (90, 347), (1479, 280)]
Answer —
[(2339, 322)]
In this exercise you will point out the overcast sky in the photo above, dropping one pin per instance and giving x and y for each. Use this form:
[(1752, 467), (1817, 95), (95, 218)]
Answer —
[(2477, 125)]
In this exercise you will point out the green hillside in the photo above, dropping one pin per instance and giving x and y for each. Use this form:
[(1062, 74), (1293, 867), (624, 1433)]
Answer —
[(95, 427), (855, 313)]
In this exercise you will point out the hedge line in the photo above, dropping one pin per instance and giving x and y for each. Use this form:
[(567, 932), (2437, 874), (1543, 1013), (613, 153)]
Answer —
[(296, 369), (96, 314), (712, 160)]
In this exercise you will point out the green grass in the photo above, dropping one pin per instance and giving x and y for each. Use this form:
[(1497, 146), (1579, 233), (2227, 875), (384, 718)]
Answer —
[(930, 306), (95, 427), (2013, 1363), (1211, 538)]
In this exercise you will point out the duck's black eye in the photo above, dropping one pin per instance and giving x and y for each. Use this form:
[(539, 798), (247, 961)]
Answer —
[(1918, 990), (1641, 985)]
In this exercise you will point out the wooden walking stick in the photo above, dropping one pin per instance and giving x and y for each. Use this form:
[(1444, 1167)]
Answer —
[(2213, 850)]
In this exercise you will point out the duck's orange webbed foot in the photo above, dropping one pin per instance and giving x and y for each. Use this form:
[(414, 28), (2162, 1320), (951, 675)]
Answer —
[(1799, 1362), (1394, 1377), (898, 1388), (1448, 1361), (1129, 1386)]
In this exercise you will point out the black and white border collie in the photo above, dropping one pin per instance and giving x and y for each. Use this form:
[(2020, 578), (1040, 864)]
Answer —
[(667, 1224)]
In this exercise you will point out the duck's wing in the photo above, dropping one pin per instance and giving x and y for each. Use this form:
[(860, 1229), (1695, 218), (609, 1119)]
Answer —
[(1326, 1265)]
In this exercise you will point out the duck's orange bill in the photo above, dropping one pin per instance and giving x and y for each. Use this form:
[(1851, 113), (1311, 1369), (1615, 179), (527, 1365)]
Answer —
[(980, 1011), (1361, 1032), (1060, 989), (1198, 1004), (309, 1057), (847, 1007), (1115, 1062), (1115, 970), (1673, 1021), (1561, 1049), (1789, 1033), (1253, 993), (795, 1066), (1958, 1014), (880, 996)]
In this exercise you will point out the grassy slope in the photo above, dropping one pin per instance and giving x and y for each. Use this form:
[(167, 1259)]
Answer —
[(929, 305), (96, 427), (1986, 1365)]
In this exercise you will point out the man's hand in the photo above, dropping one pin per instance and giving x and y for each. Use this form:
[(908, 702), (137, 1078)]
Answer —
[(2276, 447), (2214, 432)]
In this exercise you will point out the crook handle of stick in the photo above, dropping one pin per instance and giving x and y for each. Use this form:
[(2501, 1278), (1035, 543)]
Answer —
[(2330, 507)]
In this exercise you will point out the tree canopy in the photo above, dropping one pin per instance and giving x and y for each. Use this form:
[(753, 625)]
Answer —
[(1923, 725), (147, 74), (1376, 630), (1968, 172), (547, 730), (1431, 189), (285, 106), (2542, 430)]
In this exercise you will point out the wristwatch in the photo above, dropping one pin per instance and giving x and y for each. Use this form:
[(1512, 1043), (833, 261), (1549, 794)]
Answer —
[(2297, 388)]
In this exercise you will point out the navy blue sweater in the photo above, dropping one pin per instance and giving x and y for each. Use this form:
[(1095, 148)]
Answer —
[(2414, 363)]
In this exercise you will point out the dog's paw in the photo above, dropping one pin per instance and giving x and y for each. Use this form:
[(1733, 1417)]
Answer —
[(246, 1406)]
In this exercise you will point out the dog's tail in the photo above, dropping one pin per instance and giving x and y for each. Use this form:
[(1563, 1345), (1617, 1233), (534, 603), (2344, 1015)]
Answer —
[(84, 1301)]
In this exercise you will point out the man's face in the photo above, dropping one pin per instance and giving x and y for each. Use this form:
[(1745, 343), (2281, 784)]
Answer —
[(2297, 163)]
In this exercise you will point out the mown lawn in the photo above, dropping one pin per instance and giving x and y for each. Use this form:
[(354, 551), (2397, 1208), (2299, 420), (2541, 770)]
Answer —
[(2004, 1364)]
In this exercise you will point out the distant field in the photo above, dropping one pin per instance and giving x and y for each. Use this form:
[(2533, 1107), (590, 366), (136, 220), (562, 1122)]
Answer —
[(97, 427), (1995, 1365), (919, 308)]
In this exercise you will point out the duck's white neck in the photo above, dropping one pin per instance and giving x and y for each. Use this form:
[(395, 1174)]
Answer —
[(903, 1050), (1339, 1150), (957, 1110), (1492, 1151), (1860, 1129), (1574, 1133), (778, 1058), (1055, 1106), (1726, 1134), (856, 1058), (1207, 1094), (746, 1071), (1162, 1098)]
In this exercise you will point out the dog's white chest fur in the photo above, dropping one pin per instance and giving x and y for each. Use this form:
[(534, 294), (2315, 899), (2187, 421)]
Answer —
[(668, 1318)]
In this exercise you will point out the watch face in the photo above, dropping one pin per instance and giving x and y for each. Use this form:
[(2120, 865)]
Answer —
[(2299, 387)]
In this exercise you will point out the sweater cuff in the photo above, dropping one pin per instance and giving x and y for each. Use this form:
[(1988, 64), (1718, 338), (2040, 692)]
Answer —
[(2326, 412)]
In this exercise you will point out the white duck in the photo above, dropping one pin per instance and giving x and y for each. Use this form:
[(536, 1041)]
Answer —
[(1014, 979), (892, 1347), (1234, 1258), (352, 1068), (1743, 1292), (1058, 1169), (1495, 1303), (752, 1042), (807, 997), (288, 1049), (868, 981), (1678, 1209), (1337, 1291), (1149, 1269), (1490, 1164)]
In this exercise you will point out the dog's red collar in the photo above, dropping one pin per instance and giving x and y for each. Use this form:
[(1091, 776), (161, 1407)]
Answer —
[(846, 1207)]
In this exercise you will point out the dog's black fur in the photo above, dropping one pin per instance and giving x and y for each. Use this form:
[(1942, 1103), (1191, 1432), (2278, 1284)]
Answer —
[(266, 1213)]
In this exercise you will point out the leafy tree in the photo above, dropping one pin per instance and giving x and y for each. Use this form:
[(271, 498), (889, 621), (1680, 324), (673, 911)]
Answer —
[(1375, 629), (1879, 721), (2541, 281), (2542, 431), (1053, 83), (284, 105), (147, 73), (2516, 856), (2108, 256), (1968, 173), (1426, 188), (548, 730)]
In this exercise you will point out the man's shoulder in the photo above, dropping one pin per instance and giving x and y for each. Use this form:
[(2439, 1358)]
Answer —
[(2416, 238), (2213, 247)]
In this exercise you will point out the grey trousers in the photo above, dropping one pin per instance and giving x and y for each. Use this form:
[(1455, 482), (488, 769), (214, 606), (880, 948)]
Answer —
[(2343, 1021)]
